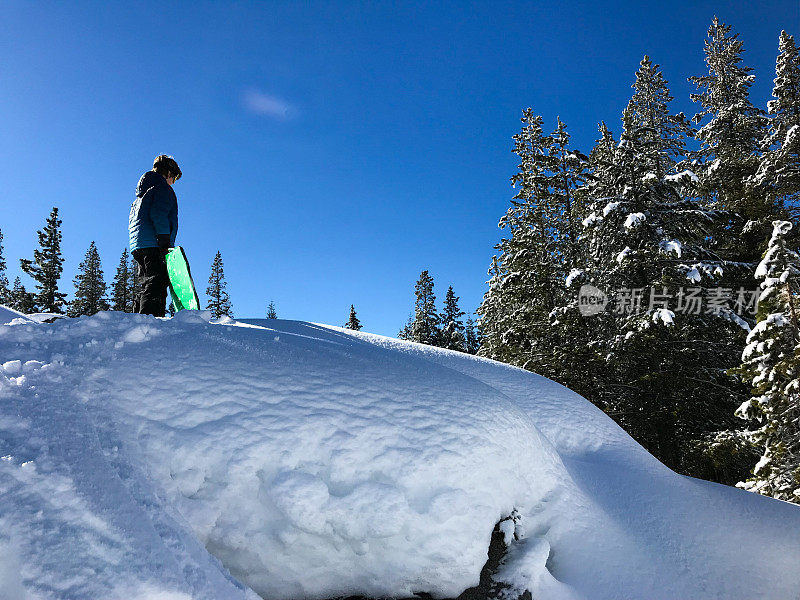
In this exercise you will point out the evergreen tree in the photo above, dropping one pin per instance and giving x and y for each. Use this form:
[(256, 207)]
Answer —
[(47, 265), (219, 303), (134, 285), (21, 299), (405, 332), (90, 288), (730, 143), (525, 266), (646, 244), (527, 276), (662, 143), (771, 362), (779, 169), (271, 312), (566, 179), (5, 292), (471, 337), (121, 294), (568, 350), (452, 327), (353, 322), (425, 326)]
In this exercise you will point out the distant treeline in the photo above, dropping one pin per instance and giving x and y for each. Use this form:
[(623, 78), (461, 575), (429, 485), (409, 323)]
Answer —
[(91, 293)]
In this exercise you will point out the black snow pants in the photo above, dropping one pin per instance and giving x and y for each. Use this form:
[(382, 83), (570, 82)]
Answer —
[(153, 278)]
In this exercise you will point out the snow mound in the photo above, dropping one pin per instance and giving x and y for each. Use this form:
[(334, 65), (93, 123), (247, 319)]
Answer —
[(9, 315), (183, 458)]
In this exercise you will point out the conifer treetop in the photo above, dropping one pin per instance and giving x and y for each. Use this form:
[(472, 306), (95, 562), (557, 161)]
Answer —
[(219, 302), (4, 290), (786, 91), (22, 300), (121, 292), (90, 288), (778, 172), (353, 322), (272, 313), (736, 127), (662, 133), (47, 265)]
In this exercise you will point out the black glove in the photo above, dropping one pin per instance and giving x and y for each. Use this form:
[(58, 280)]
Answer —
[(163, 242)]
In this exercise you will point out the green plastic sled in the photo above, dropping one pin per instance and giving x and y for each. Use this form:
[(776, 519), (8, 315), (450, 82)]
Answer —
[(181, 285)]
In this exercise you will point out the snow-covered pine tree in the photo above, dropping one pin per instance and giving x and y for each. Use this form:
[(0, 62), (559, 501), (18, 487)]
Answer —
[(219, 303), (90, 288), (47, 266), (472, 342), (566, 189), (730, 143), (645, 244), (527, 274), (571, 354), (271, 312), (5, 292), (452, 326), (424, 328), (405, 332), (353, 322), (134, 285), (521, 285), (21, 299), (779, 169), (663, 133), (121, 298), (771, 363)]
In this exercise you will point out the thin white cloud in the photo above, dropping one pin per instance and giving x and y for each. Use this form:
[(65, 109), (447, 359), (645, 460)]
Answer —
[(260, 103)]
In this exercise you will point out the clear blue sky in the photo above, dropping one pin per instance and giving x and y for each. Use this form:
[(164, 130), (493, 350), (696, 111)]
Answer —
[(330, 150)]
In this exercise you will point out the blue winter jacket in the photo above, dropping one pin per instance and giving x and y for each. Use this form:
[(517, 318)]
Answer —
[(155, 211)]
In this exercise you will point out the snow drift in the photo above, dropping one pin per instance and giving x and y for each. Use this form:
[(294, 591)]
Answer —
[(179, 458), (8, 315)]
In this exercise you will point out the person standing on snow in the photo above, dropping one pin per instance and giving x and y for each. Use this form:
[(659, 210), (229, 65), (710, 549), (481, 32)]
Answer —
[(153, 227)]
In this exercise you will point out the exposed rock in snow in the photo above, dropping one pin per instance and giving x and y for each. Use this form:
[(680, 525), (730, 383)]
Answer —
[(45, 317)]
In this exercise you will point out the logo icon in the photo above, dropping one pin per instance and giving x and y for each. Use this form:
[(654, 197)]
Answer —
[(591, 301)]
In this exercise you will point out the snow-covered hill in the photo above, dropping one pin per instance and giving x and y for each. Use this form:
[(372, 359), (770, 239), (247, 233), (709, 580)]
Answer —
[(146, 458)]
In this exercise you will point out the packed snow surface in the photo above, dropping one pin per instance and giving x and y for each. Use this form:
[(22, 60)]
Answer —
[(181, 458)]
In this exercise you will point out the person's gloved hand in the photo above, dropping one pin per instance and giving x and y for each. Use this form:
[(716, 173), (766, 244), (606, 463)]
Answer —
[(163, 242)]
